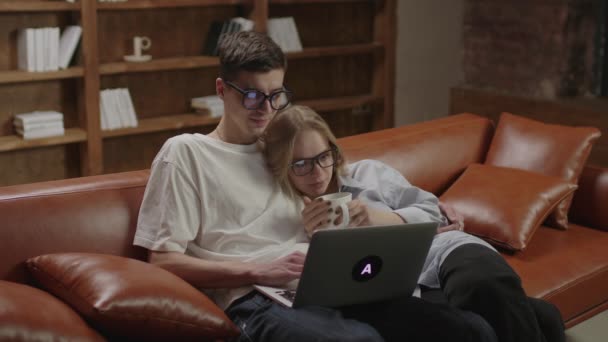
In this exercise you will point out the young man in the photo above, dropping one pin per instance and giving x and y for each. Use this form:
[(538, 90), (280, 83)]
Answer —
[(213, 214)]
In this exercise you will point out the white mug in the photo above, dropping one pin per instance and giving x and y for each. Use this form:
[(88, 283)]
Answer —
[(338, 200), (140, 44)]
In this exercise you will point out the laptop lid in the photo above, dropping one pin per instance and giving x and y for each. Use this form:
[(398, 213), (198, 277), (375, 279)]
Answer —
[(363, 265)]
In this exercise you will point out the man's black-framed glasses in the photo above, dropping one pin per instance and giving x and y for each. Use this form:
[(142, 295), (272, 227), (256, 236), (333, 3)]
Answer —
[(324, 159), (254, 99)]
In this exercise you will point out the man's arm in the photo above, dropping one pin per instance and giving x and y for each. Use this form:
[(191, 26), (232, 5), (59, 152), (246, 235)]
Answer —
[(229, 274)]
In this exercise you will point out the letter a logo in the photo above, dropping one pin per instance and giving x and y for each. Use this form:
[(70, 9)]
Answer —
[(367, 269)]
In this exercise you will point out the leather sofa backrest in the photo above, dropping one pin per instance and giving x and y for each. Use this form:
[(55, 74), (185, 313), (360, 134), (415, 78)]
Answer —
[(98, 214), (431, 155), (90, 214)]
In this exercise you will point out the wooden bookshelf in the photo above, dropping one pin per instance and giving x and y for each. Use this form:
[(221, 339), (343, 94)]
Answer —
[(346, 68)]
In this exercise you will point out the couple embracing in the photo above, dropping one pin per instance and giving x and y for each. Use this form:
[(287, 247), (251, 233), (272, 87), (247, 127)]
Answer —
[(237, 207)]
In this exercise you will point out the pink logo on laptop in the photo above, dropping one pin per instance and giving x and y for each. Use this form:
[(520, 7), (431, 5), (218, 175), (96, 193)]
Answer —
[(367, 268)]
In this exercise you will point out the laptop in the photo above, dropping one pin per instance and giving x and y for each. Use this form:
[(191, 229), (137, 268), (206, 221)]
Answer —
[(359, 265)]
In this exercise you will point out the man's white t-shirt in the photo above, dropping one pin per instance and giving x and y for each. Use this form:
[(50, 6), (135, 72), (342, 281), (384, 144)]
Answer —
[(217, 201)]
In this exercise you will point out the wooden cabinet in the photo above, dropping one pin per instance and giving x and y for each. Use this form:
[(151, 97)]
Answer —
[(346, 72)]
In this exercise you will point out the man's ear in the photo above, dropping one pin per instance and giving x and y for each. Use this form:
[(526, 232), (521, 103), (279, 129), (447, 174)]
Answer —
[(219, 87)]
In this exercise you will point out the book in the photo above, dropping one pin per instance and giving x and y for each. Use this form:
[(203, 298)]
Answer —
[(67, 45), (25, 50), (284, 32), (39, 125), (212, 38), (40, 133), (36, 117)]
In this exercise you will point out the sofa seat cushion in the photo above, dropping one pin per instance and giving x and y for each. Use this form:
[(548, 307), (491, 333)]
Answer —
[(128, 299), (568, 268), (29, 314)]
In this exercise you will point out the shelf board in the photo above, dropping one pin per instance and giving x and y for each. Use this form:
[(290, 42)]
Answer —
[(339, 50), (16, 142), (163, 123), (151, 4), (176, 63), (37, 6), (16, 76), (339, 103), (292, 2), (195, 62)]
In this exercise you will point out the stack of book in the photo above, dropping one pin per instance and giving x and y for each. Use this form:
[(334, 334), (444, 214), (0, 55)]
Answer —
[(39, 124), (218, 28), (212, 105), (285, 33), (116, 109), (43, 49)]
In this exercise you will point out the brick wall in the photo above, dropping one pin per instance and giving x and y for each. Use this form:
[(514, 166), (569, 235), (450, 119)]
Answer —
[(540, 48)]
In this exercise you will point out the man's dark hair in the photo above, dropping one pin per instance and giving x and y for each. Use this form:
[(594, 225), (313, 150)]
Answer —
[(248, 51)]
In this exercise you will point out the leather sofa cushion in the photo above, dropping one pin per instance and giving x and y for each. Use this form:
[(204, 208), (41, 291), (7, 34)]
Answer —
[(129, 299), (29, 314), (552, 150), (505, 206)]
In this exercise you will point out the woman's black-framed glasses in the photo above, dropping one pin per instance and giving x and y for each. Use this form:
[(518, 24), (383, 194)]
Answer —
[(254, 99), (324, 159)]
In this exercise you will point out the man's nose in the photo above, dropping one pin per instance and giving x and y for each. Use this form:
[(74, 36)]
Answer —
[(265, 107)]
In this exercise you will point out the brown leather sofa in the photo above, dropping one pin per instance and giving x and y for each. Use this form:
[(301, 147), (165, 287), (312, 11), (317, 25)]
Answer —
[(98, 214)]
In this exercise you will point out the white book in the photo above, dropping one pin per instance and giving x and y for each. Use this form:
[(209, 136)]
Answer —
[(103, 112), (274, 32), (293, 37), (131, 108), (115, 112), (41, 133), (39, 49), (54, 49), (39, 125), (105, 106), (25, 49), (38, 116), (47, 48), (246, 24), (67, 45), (123, 114), (110, 108)]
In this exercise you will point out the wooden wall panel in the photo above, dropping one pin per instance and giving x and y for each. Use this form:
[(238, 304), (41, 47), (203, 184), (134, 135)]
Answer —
[(174, 32), (164, 92), (330, 76), (39, 164), (142, 149), (325, 24)]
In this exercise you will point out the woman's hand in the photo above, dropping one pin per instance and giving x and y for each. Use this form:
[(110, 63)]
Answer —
[(315, 214), (455, 219), (358, 212)]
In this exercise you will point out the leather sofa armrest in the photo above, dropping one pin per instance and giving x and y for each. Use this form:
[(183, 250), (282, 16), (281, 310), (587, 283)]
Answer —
[(590, 200)]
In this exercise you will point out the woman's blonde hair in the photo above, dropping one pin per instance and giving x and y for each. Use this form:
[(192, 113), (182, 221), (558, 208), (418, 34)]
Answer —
[(279, 138)]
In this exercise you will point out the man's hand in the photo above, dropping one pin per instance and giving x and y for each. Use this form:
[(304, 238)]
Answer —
[(279, 272), (455, 219), (315, 214)]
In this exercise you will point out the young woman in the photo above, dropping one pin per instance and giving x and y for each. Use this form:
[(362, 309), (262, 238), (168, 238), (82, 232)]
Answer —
[(302, 153)]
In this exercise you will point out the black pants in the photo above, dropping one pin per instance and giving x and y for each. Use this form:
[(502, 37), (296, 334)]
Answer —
[(477, 279), (404, 319)]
